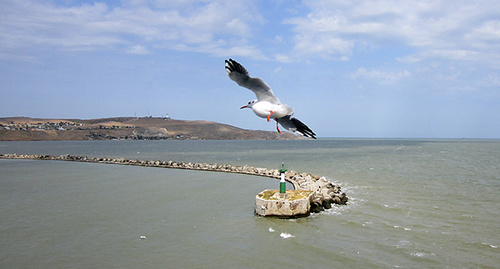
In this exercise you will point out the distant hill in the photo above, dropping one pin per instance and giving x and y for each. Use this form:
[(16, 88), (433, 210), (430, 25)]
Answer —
[(127, 128)]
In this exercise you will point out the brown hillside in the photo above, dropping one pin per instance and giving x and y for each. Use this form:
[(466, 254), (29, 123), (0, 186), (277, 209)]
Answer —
[(127, 128)]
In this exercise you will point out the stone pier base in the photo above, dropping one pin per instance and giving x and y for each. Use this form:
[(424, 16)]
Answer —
[(295, 204)]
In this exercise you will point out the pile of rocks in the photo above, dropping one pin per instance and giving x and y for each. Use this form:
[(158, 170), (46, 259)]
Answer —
[(325, 193)]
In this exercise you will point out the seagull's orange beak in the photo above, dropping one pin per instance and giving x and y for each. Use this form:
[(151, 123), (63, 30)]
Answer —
[(243, 107)]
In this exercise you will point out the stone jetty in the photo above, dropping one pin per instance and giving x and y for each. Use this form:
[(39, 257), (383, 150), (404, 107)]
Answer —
[(325, 193)]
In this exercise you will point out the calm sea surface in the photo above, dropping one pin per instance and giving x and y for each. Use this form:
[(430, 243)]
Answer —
[(413, 204)]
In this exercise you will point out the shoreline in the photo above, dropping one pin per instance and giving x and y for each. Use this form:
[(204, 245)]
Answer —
[(325, 193)]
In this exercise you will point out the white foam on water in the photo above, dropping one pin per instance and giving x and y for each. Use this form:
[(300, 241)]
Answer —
[(401, 227), (491, 246), (286, 235)]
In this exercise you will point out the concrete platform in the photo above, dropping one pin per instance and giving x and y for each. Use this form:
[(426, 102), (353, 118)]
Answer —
[(295, 204)]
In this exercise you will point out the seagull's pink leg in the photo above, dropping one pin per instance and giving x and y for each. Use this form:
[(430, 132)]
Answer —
[(269, 116), (277, 126)]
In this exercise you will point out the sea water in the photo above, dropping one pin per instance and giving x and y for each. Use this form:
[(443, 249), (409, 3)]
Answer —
[(412, 203)]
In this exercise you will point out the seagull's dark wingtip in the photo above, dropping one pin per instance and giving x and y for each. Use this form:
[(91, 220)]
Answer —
[(233, 65), (303, 129)]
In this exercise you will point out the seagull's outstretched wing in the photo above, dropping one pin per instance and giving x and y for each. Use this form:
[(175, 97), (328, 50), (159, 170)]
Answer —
[(296, 126), (240, 75)]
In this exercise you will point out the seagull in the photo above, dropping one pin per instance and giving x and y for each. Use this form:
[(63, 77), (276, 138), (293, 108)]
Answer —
[(266, 105)]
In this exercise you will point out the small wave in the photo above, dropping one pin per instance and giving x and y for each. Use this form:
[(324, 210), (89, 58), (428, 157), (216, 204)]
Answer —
[(403, 243), (491, 246), (286, 235), (421, 254), (418, 254), (402, 227), (336, 210)]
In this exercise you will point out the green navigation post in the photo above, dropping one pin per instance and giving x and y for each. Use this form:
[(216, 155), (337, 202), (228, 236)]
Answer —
[(282, 181)]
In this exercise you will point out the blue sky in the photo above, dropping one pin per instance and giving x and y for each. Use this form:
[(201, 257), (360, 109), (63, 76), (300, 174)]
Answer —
[(375, 68)]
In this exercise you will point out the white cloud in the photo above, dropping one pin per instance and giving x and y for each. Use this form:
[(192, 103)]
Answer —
[(458, 30), (488, 32), (282, 58), (382, 77), (27, 23), (331, 29), (440, 54), (138, 49), (324, 45), (197, 25)]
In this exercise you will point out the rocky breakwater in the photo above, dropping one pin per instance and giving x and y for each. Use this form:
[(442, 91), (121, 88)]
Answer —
[(325, 193)]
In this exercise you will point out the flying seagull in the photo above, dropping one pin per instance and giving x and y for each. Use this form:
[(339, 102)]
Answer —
[(267, 105)]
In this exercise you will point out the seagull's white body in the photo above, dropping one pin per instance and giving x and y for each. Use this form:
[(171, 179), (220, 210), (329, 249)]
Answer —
[(263, 109), (267, 105)]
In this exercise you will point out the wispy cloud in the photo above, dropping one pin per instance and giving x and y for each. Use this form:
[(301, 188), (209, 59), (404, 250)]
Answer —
[(440, 54), (329, 29), (27, 23), (383, 77), (461, 30), (138, 49), (207, 26)]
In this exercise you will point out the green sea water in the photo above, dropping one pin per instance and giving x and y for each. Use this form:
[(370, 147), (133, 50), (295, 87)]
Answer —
[(412, 203)]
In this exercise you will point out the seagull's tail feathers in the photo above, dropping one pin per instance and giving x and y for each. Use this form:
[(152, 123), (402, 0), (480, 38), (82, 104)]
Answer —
[(296, 126)]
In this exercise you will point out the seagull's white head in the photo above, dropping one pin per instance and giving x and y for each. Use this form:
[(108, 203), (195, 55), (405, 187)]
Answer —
[(250, 104)]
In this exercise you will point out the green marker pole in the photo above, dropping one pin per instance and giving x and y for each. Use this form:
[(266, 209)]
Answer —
[(282, 181)]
